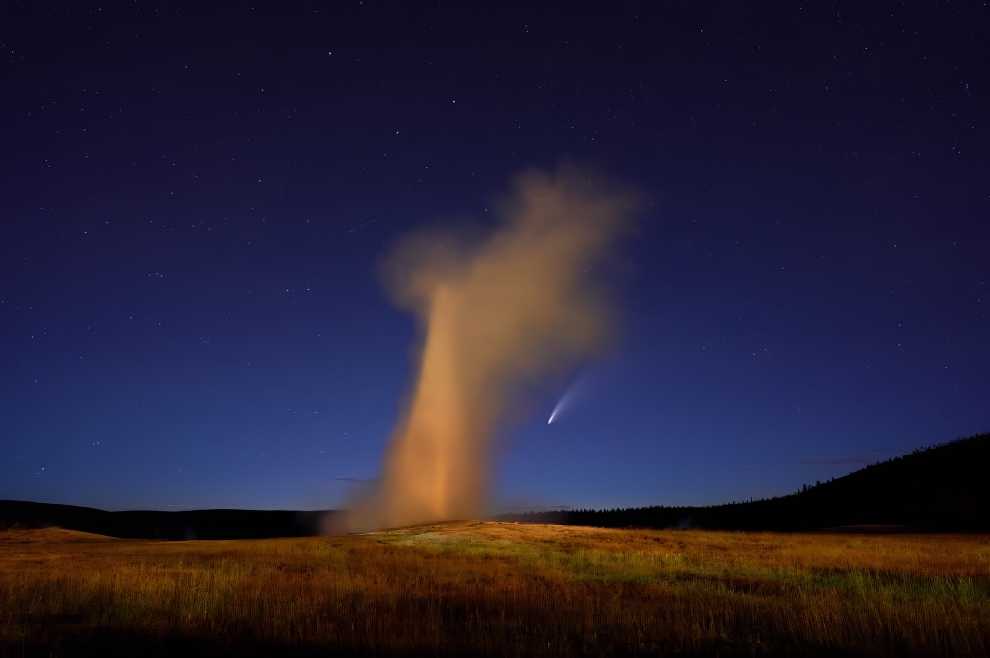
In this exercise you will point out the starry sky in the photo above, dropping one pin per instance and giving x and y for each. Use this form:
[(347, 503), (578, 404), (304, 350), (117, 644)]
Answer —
[(194, 198)]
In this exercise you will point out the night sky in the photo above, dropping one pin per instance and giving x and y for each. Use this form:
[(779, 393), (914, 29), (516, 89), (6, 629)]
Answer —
[(194, 198)]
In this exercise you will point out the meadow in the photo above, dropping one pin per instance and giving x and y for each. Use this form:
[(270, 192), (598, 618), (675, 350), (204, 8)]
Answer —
[(499, 589)]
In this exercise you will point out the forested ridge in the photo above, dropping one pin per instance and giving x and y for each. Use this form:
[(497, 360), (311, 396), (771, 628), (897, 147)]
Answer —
[(941, 487)]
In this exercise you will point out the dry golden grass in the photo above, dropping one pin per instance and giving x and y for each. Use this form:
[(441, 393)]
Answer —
[(476, 587)]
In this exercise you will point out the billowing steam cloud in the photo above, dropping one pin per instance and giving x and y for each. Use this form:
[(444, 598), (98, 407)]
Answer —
[(498, 318)]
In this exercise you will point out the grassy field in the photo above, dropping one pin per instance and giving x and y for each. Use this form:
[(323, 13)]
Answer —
[(502, 589)]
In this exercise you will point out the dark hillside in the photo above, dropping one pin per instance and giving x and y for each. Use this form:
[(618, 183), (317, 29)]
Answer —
[(944, 487), (194, 524)]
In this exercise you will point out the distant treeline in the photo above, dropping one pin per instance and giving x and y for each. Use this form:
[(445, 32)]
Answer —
[(193, 524), (943, 487)]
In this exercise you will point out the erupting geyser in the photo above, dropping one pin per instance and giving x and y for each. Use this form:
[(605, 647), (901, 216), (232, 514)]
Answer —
[(499, 317)]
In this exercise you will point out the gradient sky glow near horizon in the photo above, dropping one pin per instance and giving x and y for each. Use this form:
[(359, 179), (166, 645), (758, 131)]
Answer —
[(193, 202)]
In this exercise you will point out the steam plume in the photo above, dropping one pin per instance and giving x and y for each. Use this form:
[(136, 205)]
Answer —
[(497, 319)]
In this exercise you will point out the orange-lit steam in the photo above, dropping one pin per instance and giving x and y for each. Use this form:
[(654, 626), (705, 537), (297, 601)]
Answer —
[(501, 317)]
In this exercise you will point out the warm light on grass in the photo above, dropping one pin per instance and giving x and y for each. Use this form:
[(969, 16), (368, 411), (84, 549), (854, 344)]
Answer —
[(505, 588)]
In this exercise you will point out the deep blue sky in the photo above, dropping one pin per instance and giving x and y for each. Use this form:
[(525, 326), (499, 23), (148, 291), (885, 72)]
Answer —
[(193, 199)]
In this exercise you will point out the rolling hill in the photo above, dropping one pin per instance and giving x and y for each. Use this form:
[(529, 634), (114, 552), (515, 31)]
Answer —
[(138, 524), (941, 488)]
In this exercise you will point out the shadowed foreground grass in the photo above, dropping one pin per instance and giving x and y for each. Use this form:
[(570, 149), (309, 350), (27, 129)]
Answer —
[(492, 588)]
